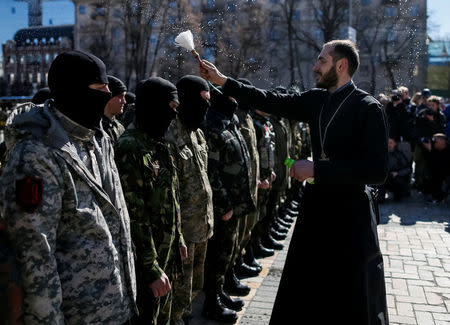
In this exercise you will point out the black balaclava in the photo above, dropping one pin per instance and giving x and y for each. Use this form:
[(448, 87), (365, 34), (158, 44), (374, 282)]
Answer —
[(116, 86), (130, 97), (153, 113), (193, 107), (222, 103), (69, 78), (41, 96)]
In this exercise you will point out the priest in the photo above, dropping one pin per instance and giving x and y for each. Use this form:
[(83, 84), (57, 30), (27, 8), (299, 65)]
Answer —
[(334, 267)]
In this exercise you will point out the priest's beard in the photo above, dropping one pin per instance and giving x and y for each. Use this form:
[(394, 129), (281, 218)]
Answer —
[(329, 79)]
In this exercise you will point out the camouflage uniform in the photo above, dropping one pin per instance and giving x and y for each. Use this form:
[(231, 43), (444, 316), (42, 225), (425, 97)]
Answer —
[(266, 148), (229, 174), (150, 184), (112, 127), (197, 216), (249, 133), (67, 219)]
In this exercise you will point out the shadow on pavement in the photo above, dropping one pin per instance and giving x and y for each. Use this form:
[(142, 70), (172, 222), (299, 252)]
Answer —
[(415, 209)]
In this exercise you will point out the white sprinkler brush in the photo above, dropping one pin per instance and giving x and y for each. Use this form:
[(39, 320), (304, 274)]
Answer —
[(186, 40)]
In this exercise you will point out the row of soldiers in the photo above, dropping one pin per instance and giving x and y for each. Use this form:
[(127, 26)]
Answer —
[(130, 226)]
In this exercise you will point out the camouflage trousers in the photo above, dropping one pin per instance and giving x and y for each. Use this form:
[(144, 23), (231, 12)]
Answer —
[(190, 283), (246, 226), (263, 220), (220, 252)]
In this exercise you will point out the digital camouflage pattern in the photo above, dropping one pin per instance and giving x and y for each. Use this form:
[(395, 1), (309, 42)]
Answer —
[(197, 215), (74, 247), (150, 184), (112, 127), (228, 166)]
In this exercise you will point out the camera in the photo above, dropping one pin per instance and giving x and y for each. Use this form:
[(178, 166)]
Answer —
[(395, 98), (425, 140)]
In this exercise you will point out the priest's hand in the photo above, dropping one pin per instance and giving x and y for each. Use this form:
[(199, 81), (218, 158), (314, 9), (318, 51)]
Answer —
[(302, 169), (209, 72)]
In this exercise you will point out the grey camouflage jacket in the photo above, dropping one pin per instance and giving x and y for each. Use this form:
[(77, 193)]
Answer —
[(197, 214), (66, 216)]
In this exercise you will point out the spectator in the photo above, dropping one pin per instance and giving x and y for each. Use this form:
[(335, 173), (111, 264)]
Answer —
[(399, 176), (437, 157), (400, 123), (426, 126), (434, 103)]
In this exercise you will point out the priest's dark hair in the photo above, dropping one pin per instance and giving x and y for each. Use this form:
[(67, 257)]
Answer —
[(345, 49)]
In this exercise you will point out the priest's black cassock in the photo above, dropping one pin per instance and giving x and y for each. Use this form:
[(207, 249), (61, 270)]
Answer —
[(334, 270)]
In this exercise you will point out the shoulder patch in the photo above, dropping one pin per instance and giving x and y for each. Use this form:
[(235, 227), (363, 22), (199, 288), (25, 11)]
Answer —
[(29, 193)]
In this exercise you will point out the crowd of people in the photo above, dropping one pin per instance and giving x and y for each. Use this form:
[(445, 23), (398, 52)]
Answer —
[(419, 152), (121, 207)]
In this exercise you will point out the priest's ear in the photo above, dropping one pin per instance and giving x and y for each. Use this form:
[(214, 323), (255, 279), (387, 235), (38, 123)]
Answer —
[(342, 66)]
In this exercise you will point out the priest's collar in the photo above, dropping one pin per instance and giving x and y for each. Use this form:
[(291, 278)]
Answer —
[(350, 83)]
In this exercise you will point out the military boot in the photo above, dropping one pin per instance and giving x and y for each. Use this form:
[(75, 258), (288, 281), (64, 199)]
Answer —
[(268, 241), (233, 286), (235, 304), (249, 257), (279, 227), (277, 235), (213, 308), (243, 270), (259, 250)]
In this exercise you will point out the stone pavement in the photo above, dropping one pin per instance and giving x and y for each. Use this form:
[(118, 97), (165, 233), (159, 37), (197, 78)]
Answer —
[(415, 241)]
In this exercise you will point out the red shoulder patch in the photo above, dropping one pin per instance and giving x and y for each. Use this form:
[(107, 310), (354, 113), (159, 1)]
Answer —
[(29, 193)]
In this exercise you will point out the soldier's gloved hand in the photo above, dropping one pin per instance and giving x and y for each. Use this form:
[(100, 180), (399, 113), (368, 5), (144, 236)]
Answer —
[(227, 216), (161, 287), (302, 169), (183, 252)]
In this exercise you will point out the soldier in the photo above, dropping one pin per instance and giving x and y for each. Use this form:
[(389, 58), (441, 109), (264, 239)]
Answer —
[(113, 108), (148, 174), (63, 203), (266, 148), (197, 217), (228, 170), (249, 221)]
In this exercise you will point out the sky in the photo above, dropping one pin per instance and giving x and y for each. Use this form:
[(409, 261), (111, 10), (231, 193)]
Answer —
[(13, 16)]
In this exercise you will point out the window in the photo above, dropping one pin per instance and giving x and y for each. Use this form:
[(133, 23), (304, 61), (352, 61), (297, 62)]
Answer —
[(390, 35), (318, 35), (153, 39), (389, 11), (171, 20), (171, 40), (172, 4), (82, 10), (365, 2), (117, 13), (274, 35), (47, 57), (274, 1), (100, 11), (274, 18), (211, 3), (296, 15)]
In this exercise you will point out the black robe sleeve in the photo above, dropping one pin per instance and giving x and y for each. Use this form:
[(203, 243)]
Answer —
[(371, 164), (291, 106)]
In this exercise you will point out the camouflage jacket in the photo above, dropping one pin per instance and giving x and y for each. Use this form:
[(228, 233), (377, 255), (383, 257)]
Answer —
[(150, 184), (281, 152), (112, 127), (249, 133), (66, 216), (296, 148), (228, 166), (266, 145), (197, 215)]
